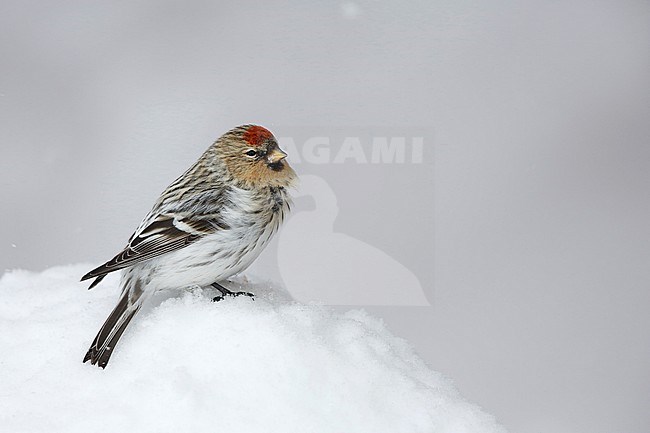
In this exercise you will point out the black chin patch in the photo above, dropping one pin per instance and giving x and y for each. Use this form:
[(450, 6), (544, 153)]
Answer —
[(276, 166)]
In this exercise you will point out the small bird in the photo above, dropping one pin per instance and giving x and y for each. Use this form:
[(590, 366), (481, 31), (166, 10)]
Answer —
[(208, 225)]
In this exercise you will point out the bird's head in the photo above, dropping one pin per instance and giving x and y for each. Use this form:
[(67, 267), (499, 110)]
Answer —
[(252, 156)]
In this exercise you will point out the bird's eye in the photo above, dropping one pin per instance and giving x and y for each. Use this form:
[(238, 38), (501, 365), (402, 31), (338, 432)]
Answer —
[(251, 153)]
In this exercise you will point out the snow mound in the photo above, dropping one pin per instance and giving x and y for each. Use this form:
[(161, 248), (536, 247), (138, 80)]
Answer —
[(191, 365)]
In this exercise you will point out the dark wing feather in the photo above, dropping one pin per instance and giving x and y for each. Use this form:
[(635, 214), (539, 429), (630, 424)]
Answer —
[(165, 234)]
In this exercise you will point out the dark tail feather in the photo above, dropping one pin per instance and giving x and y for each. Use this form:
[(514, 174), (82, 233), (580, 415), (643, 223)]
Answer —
[(97, 281), (101, 349)]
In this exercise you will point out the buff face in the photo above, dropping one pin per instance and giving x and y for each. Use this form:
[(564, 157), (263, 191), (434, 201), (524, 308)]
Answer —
[(255, 158)]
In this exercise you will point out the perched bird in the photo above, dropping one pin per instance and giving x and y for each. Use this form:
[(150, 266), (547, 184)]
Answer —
[(208, 225)]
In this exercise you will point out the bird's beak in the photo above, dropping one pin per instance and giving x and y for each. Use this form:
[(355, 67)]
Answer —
[(275, 156)]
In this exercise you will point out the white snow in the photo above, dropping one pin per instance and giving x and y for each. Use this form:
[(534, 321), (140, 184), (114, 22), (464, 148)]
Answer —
[(188, 364)]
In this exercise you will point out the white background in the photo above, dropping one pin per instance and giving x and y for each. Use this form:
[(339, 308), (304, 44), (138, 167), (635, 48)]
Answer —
[(531, 238)]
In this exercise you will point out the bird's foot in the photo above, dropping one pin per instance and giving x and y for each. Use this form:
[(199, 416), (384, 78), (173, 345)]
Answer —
[(225, 292)]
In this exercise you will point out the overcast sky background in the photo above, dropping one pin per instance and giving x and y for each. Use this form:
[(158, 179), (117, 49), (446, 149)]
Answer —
[(526, 224)]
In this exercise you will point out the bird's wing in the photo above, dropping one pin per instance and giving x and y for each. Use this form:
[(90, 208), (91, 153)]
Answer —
[(165, 234)]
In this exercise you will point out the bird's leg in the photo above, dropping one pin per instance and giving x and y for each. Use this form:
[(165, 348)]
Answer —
[(226, 292)]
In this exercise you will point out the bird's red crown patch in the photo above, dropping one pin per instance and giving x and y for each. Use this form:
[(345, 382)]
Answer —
[(256, 135)]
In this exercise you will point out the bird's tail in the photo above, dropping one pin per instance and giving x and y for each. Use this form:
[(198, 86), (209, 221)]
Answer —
[(101, 349)]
